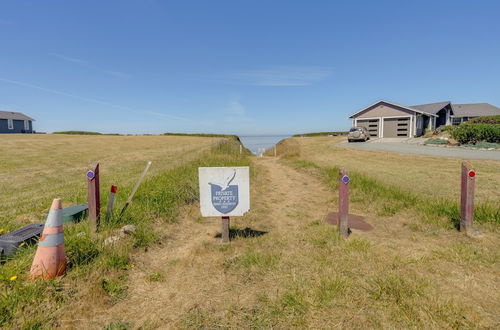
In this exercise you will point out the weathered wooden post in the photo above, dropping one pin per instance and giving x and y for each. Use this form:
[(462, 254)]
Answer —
[(225, 230), (111, 202), (241, 149), (343, 203), (467, 198), (93, 197), (134, 190)]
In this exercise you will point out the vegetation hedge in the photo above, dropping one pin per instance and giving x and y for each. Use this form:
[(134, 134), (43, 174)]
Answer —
[(321, 134), (473, 133), (495, 120), (78, 133)]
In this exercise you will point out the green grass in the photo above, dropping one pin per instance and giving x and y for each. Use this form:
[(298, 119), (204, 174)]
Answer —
[(389, 200), (157, 202)]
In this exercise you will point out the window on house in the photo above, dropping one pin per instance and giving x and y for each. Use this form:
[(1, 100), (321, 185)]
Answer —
[(26, 125), (10, 124), (456, 121)]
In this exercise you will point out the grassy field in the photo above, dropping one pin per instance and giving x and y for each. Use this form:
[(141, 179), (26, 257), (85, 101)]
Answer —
[(285, 267), (431, 176), (38, 168)]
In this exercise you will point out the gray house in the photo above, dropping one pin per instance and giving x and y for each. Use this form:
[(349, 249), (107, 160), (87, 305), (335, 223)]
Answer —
[(385, 119), (15, 122)]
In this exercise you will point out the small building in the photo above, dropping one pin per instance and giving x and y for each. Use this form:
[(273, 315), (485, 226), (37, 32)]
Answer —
[(385, 119), (15, 122)]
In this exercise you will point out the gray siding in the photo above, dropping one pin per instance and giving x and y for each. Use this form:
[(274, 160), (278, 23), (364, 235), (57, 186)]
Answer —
[(18, 126)]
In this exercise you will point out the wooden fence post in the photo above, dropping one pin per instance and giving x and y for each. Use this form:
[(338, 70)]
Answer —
[(344, 203), (134, 190), (467, 197), (93, 197), (225, 230)]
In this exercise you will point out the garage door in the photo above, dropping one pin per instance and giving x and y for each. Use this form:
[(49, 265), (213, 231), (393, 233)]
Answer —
[(396, 127), (371, 125)]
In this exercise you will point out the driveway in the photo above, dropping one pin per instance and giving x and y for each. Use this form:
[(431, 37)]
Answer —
[(410, 147)]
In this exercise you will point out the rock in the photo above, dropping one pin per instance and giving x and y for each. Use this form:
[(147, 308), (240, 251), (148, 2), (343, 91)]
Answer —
[(111, 240), (128, 229)]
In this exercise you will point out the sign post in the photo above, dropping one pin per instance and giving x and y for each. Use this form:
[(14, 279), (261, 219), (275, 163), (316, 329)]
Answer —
[(111, 202), (224, 192), (467, 197), (344, 203), (225, 229), (93, 197)]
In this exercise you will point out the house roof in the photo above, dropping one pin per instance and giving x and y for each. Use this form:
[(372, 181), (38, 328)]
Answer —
[(474, 110), (14, 115), (431, 107), (395, 104)]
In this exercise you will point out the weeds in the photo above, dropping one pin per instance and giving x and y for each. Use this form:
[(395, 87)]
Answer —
[(157, 202), (390, 200)]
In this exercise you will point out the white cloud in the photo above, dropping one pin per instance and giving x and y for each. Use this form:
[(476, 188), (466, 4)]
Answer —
[(93, 100), (85, 63), (234, 107), (285, 76), (118, 74), (71, 59)]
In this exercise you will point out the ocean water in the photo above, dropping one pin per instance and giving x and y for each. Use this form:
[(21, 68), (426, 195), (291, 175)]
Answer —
[(253, 143)]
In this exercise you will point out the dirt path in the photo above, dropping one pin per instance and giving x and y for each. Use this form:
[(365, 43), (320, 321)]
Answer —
[(191, 262)]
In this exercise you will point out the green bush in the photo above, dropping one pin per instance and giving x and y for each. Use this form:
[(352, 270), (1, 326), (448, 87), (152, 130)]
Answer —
[(485, 120), (472, 133), (447, 128)]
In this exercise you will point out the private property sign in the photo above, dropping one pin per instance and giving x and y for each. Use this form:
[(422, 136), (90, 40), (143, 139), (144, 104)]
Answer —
[(224, 191)]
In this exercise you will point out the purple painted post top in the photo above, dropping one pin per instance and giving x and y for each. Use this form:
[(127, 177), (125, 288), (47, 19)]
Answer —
[(345, 179), (90, 175)]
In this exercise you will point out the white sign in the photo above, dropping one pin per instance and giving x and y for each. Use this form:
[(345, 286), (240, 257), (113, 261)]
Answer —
[(224, 191)]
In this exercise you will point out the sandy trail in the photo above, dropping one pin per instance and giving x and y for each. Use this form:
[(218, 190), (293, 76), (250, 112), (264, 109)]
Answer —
[(192, 264)]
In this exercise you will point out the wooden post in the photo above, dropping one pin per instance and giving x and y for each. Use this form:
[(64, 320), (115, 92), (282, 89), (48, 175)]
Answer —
[(467, 197), (93, 197), (111, 202), (134, 190), (343, 203), (225, 230), (241, 149), (274, 150)]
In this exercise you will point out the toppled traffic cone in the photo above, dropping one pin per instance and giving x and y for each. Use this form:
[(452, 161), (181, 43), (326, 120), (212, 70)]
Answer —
[(50, 258)]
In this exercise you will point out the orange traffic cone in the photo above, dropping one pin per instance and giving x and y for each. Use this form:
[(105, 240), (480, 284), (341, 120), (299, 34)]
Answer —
[(50, 258)]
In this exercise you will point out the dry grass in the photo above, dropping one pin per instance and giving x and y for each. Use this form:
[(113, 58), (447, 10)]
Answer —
[(404, 274), (37, 168), (430, 176)]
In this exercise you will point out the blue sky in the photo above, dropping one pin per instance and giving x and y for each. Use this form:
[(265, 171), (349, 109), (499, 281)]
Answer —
[(244, 67)]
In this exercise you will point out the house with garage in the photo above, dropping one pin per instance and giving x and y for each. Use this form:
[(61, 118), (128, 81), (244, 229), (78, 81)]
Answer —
[(15, 122), (385, 119)]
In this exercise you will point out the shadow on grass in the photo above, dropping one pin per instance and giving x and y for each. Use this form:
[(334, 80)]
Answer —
[(242, 233)]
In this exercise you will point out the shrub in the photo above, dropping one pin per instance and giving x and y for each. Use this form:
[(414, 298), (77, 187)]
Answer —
[(447, 128), (472, 133), (485, 120)]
